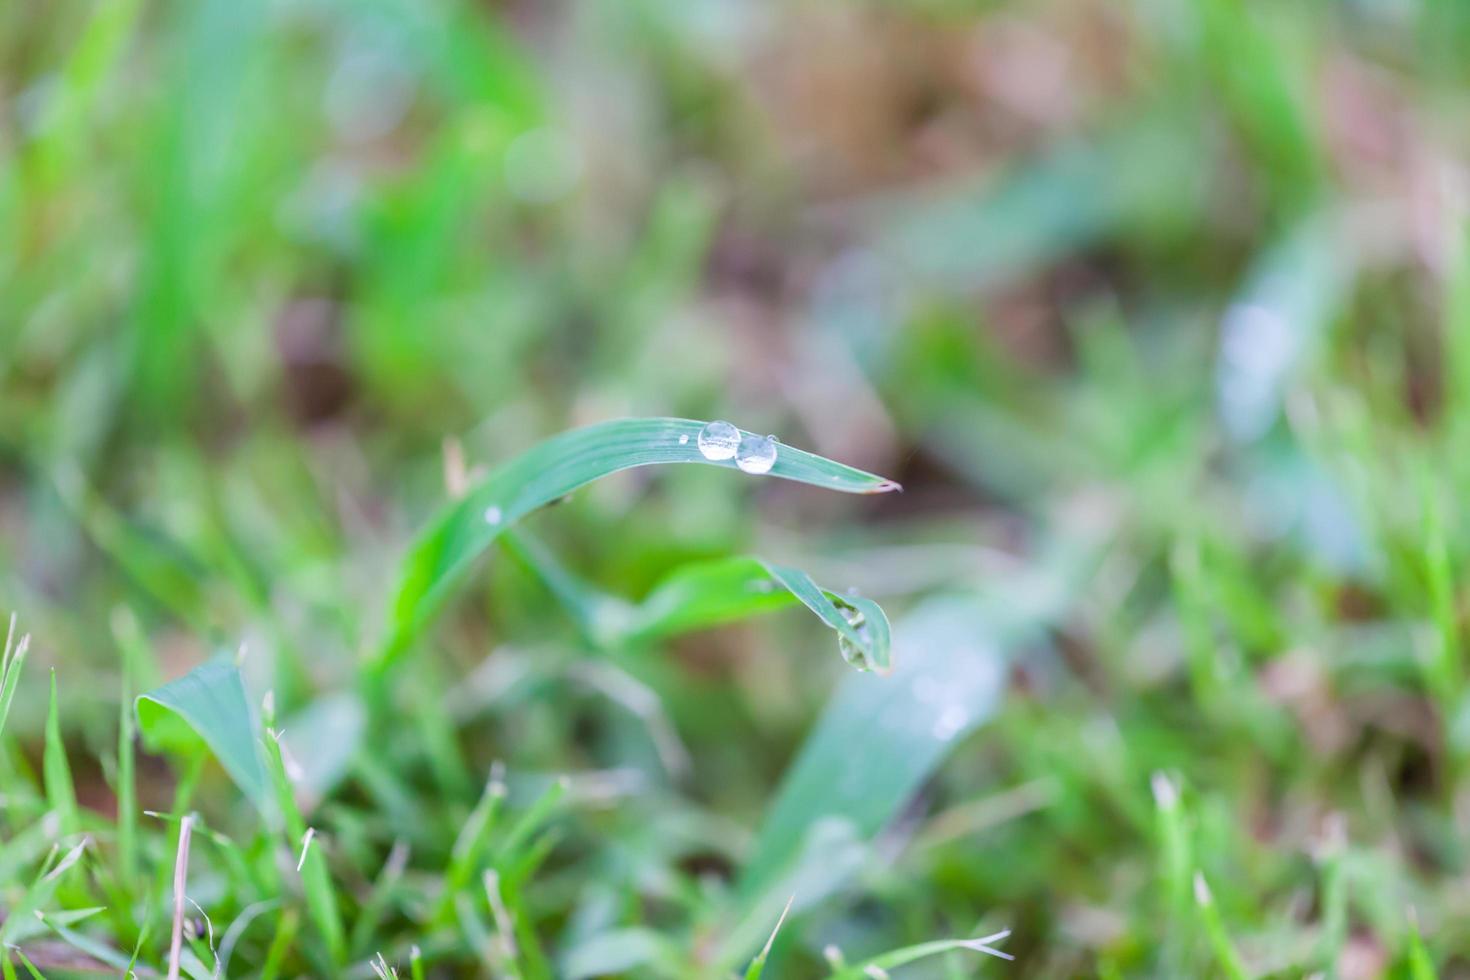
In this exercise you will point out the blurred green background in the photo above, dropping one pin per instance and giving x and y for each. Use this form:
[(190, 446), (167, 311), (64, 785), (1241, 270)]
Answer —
[(1159, 310)]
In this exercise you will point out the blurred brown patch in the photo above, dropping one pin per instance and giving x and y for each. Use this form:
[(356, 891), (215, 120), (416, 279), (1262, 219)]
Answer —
[(308, 337)]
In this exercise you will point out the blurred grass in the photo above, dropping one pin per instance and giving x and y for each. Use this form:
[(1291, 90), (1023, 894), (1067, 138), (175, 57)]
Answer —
[(1158, 309)]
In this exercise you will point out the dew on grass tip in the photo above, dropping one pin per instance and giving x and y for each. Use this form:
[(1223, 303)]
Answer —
[(492, 515), (852, 652), (719, 440)]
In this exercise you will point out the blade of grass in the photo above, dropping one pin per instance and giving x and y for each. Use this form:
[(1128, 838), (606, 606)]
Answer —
[(208, 706), (10, 666), (705, 594), (1176, 863), (321, 898), (1421, 966), (758, 965), (531, 821), (98, 951), (280, 947), (881, 964), (1225, 955), (439, 559), (61, 796), (373, 910), (470, 845), (876, 741), (127, 786)]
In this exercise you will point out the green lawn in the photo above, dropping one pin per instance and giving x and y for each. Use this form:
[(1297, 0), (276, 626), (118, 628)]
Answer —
[(365, 626)]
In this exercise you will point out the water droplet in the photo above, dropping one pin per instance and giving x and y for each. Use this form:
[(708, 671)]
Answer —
[(684, 439), (757, 454), (492, 515), (852, 652), (719, 440)]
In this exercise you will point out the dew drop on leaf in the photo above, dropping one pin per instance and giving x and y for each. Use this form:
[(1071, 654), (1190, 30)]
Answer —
[(719, 440), (757, 454)]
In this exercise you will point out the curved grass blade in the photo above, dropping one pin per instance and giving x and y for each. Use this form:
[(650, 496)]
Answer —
[(207, 704), (11, 662), (879, 738), (710, 593), (549, 471), (881, 964)]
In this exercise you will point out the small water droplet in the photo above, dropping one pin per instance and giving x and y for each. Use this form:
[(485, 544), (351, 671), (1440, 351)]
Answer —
[(493, 515), (719, 440), (684, 439), (854, 653), (757, 454)]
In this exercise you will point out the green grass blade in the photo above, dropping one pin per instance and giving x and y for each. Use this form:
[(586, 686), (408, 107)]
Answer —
[(468, 847), (1175, 865), (30, 967), (875, 743), (602, 619), (60, 793), (280, 947), (532, 820), (127, 785), (1214, 926), (864, 628), (207, 705), (98, 951), (376, 906), (10, 667), (881, 964), (705, 594), (321, 897), (549, 471), (758, 965), (1421, 966)]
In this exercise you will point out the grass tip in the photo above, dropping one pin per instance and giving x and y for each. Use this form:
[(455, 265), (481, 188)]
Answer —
[(305, 846), (780, 920), (1166, 794), (984, 944), (1203, 897)]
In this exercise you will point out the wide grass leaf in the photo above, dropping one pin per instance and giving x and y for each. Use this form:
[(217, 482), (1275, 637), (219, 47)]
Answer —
[(207, 706), (549, 471), (880, 737)]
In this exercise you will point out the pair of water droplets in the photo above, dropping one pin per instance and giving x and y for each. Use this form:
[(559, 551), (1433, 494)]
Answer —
[(752, 453)]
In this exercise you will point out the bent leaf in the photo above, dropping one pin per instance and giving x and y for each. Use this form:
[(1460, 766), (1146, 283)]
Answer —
[(207, 707), (549, 471), (880, 738), (710, 593)]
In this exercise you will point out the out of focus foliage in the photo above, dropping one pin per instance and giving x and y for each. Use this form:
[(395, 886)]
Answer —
[(1159, 310)]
